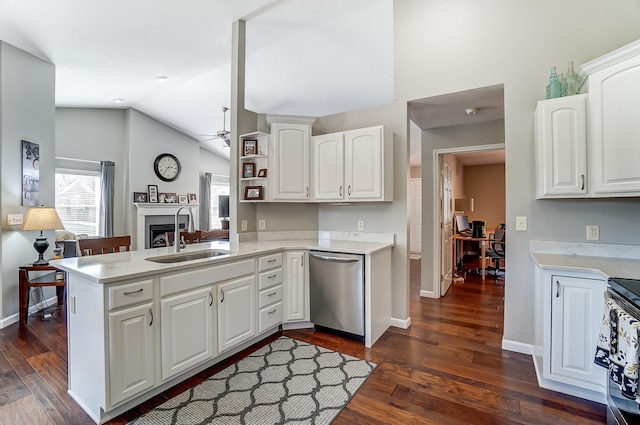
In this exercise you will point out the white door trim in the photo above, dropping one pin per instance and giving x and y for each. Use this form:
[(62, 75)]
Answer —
[(436, 265)]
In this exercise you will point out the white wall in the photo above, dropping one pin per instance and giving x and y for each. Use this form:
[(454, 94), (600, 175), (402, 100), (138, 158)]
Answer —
[(27, 106), (468, 44)]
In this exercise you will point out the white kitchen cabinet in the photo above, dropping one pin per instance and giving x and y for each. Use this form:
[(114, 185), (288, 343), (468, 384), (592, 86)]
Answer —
[(270, 291), (613, 83), (236, 311), (289, 159), (131, 352), (297, 287), (576, 317), (328, 167), (353, 166), (561, 147), (187, 331), (568, 316)]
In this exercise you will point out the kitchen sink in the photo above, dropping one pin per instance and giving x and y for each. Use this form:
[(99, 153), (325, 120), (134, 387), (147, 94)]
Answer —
[(188, 256)]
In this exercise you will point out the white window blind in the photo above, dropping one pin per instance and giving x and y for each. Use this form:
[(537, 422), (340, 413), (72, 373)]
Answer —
[(78, 200)]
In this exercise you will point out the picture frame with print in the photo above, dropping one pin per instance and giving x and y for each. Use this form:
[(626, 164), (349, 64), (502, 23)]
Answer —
[(140, 197), (249, 147), (152, 191), (253, 193), (248, 170), (183, 199), (193, 199), (262, 172)]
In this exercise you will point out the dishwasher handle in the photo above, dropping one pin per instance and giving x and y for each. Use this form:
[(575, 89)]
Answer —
[(336, 259)]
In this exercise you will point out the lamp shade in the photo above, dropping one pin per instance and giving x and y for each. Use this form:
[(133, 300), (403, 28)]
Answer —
[(41, 218)]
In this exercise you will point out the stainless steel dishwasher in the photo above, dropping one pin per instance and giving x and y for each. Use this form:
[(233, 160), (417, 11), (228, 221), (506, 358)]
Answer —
[(336, 284)]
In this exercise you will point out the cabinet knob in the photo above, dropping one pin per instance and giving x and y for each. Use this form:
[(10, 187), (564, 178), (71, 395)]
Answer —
[(211, 295), (557, 288), (222, 299), (151, 314), (582, 188)]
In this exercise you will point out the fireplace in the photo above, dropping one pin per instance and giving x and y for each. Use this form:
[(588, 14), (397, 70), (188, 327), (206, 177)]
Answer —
[(154, 220)]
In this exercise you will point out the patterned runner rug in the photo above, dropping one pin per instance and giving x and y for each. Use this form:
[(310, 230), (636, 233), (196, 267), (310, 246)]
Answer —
[(285, 382)]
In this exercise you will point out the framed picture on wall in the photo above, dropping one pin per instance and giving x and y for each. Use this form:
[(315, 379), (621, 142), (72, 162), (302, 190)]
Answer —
[(30, 174), (152, 190)]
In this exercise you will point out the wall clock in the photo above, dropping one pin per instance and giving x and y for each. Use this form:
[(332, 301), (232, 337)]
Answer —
[(167, 167)]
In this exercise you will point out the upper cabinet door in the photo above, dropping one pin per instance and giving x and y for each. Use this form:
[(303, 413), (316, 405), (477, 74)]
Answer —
[(614, 127), (364, 172), (290, 161), (328, 167), (561, 147)]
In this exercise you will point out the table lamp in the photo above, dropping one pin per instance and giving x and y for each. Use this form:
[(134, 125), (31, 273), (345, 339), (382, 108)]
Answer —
[(41, 218)]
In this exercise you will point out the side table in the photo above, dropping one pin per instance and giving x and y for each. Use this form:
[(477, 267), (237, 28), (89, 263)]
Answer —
[(48, 279)]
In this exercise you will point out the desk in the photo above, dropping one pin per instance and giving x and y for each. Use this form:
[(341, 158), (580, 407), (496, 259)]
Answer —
[(26, 283), (483, 250)]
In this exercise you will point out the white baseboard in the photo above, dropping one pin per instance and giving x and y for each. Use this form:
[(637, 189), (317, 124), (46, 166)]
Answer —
[(10, 320), (518, 347), (400, 323), (428, 294)]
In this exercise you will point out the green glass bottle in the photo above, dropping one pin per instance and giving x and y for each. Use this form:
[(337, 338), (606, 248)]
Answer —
[(572, 81), (554, 88)]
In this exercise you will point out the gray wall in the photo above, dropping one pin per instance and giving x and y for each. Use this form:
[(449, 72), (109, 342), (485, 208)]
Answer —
[(89, 134), (467, 44), (27, 106)]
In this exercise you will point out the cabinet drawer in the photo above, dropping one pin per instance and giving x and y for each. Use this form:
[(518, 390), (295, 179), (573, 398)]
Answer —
[(269, 296), (190, 280), (269, 262), (269, 278), (270, 316), (130, 293)]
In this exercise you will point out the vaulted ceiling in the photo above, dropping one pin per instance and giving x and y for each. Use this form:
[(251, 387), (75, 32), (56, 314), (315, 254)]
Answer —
[(170, 59)]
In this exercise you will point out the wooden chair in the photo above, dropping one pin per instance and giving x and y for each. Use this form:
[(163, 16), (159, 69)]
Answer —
[(94, 246), (195, 237)]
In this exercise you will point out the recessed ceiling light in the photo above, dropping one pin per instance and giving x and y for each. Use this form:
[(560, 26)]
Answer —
[(162, 78), (471, 111), (118, 100)]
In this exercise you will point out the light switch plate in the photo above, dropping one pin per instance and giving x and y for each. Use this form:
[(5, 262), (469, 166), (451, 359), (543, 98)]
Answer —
[(521, 224), (14, 219)]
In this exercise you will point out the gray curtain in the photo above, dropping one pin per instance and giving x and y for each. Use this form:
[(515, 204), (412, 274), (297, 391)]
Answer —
[(107, 177), (205, 201)]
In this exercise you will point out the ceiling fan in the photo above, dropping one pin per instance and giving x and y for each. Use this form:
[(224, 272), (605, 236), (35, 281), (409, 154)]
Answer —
[(222, 134)]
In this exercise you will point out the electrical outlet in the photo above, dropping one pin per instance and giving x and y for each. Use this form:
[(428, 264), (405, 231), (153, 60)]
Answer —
[(244, 225), (521, 224), (593, 232), (262, 225), (14, 219), (360, 225)]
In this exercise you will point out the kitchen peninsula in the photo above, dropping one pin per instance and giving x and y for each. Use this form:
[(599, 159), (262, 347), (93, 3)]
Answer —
[(137, 326)]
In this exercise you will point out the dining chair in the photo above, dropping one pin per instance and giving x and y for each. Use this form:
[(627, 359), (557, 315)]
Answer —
[(195, 237), (107, 245)]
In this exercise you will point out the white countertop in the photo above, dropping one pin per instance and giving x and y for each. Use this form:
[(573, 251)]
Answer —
[(601, 259), (108, 268)]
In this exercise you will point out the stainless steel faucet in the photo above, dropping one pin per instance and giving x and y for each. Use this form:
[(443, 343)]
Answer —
[(178, 243)]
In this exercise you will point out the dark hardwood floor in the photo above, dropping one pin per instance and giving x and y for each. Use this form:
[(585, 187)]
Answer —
[(447, 368)]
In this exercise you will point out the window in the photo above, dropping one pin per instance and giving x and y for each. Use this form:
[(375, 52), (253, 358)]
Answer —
[(216, 190), (78, 200)]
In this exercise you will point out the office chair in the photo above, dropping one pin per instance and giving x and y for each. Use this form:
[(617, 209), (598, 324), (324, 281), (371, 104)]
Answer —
[(496, 252)]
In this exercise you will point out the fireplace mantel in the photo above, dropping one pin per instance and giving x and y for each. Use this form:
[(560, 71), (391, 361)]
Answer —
[(155, 209)]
